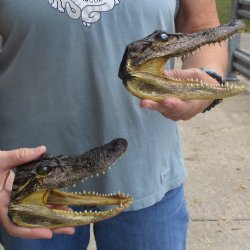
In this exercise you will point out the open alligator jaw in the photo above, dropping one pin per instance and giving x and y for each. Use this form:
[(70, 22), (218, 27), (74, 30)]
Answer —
[(36, 187), (142, 66)]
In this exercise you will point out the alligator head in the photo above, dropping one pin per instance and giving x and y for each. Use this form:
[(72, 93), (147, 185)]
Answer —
[(143, 62), (36, 187)]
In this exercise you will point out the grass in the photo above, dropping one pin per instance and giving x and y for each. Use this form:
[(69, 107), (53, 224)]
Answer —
[(224, 11)]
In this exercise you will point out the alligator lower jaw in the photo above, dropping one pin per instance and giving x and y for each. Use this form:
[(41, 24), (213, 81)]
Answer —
[(147, 81), (34, 211), (145, 85)]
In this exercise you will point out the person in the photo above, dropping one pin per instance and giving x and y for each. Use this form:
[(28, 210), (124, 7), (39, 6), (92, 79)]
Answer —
[(59, 87)]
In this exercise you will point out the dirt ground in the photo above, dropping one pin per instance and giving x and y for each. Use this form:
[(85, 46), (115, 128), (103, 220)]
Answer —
[(217, 155)]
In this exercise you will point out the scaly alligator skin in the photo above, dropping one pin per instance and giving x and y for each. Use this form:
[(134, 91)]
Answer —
[(36, 187), (143, 61)]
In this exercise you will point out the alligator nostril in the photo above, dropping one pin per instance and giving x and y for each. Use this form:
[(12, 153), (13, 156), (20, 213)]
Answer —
[(119, 145)]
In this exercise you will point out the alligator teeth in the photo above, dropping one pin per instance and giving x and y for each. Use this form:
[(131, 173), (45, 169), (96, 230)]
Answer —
[(97, 194)]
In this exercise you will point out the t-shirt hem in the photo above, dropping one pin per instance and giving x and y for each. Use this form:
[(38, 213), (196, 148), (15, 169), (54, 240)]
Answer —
[(157, 196)]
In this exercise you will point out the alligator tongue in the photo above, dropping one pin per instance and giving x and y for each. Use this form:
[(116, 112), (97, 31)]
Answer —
[(56, 197)]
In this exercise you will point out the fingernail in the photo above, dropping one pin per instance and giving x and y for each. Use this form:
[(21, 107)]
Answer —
[(148, 106), (39, 149)]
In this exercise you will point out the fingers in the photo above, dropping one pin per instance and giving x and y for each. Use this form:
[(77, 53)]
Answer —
[(176, 109), (171, 107), (170, 104), (6, 183), (194, 73), (35, 233), (13, 158), (22, 232), (64, 230), (30, 233)]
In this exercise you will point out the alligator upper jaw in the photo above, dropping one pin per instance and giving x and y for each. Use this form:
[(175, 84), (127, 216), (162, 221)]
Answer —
[(169, 45), (36, 210), (143, 64)]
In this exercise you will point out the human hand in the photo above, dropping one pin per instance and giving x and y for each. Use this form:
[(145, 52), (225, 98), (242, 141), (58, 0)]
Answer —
[(8, 161), (176, 109)]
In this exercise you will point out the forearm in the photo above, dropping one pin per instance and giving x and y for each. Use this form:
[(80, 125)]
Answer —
[(194, 16), (212, 57)]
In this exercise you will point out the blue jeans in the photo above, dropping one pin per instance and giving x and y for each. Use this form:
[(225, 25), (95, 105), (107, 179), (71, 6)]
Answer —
[(162, 226)]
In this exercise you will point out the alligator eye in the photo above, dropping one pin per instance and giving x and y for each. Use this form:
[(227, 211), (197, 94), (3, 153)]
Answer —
[(163, 37), (43, 170)]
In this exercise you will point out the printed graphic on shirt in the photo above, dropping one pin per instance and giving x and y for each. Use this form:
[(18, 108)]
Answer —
[(88, 10)]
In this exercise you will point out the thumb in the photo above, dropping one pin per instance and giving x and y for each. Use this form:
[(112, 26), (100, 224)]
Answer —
[(184, 73), (192, 74), (11, 159)]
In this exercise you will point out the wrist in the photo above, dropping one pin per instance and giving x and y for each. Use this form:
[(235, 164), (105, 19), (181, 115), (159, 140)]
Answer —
[(218, 77), (220, 80)]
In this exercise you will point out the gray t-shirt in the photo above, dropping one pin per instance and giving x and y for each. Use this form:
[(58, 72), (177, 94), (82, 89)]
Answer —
[(59, 87)]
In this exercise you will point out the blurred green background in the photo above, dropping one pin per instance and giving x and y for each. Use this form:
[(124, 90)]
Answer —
[(224, 11)]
